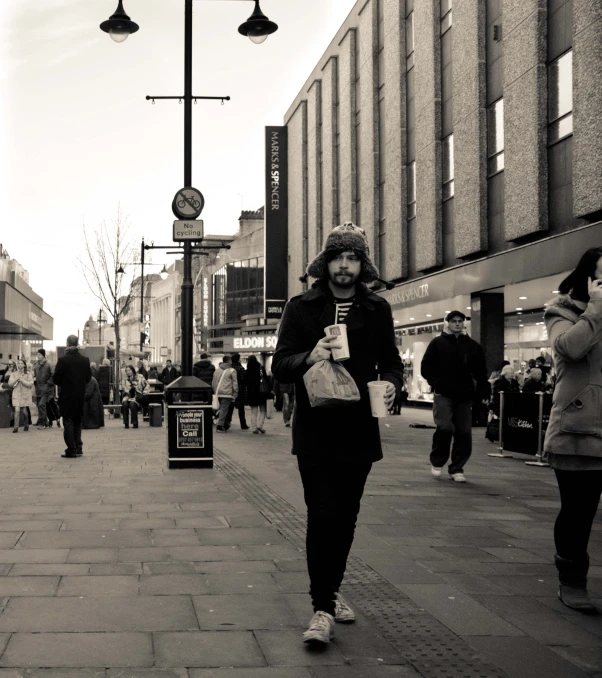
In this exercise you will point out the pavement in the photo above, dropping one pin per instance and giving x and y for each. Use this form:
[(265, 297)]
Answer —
[(113, 566)]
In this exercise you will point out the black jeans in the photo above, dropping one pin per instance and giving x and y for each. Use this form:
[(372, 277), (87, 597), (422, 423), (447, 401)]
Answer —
[(333, 492), (453, 419), (72, 434), (579, 498), (130, 406)]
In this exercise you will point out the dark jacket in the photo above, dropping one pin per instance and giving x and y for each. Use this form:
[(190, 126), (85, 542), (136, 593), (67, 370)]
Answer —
[(94, 414), (169, 374), (143, 372), (71, 375), (242, 389), (348, 433), (451, 365), (532, 386), (104, 380), (253, 379), (43, 372), (204, 371), (499, 385)]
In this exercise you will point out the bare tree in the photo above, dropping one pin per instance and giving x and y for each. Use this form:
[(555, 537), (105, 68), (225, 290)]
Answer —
[(106, 248)]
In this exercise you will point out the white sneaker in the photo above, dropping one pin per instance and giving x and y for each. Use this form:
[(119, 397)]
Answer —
[(342, 612), (320, 629), (457, 477), (436, 471)]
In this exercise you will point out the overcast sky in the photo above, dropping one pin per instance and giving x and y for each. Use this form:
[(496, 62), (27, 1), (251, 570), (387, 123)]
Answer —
[(82, 138)]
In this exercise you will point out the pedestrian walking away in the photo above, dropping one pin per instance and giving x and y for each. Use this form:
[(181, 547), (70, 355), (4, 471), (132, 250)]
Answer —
[(135, 388), (287, 392), (241, 399), (44, 387), (71, 375), (573, 442), (94, 414), (21, 382), (104, 381), (258, 386), (336, 447), (452, 363), (204, 369), (225, 387)]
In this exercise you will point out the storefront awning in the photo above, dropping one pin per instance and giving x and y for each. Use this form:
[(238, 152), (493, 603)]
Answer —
[(22, 317)]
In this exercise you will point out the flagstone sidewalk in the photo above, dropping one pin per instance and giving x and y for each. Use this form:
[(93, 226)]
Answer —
[(114, 566)]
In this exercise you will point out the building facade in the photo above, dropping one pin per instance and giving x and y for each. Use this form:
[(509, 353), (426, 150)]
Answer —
[(165, 321), (24, 324), (463, 137)]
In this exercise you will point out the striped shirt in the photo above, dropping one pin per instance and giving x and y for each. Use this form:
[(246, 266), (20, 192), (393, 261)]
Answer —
[(343, 306)]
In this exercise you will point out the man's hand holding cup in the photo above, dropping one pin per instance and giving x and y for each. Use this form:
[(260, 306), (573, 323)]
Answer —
[(390, 395), (323, 348)]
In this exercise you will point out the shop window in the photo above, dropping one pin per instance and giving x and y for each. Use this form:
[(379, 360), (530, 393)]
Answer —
[(560, 98), (411, 190), (448, 167), (495, 138)]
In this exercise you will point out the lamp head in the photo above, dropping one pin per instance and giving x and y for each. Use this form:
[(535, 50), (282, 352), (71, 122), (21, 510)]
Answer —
[(257, 27), (120, 270), (164, 274), (119, 25)]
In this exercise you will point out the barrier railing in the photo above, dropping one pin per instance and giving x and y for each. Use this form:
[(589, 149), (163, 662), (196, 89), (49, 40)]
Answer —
[(523, 419)]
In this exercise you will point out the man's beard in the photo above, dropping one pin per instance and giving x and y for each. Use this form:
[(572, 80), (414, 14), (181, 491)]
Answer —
[(345, 281)]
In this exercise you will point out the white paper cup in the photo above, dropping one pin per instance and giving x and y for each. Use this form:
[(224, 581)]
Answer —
[(339, 331), (378, 391)]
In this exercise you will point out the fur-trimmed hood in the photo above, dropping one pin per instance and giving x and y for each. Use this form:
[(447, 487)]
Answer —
[(564, 305)]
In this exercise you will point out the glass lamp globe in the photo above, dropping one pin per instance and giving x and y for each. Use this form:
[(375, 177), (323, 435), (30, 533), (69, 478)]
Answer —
[(257, 39), (119, 33)]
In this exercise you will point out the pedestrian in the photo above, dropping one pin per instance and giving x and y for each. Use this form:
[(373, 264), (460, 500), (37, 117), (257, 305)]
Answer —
[(287, 393), (452, 363), (21, 382), (225, 387), (257, 393), (135, 390), (505, 383), (52, 410), (534, 382), (142, 370), (71, 375), (169, 373), (336, 447), (94, 414), (44, 387), (204, 369), (11, 367), (241, 398), (153, 373), (104, 381), (573, 442), (94, 370)]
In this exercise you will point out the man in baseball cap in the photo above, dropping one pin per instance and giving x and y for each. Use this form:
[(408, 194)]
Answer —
[(452, 363)]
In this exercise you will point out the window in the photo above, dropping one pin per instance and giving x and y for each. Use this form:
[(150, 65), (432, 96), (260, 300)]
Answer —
[(448, 167), (411, 190), (560, 98), (495, 138)]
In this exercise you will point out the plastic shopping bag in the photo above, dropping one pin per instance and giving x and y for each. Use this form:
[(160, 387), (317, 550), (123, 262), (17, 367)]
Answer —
[(329, 384)]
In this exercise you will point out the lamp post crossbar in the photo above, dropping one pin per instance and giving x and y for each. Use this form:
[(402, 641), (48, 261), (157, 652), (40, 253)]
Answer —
[(182, 97)]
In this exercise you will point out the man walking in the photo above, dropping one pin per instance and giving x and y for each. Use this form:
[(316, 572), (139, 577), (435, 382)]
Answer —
[(239, 403), (204, 369), (452, 363), (71, 375), (225, 387), (336, 447), (169, 373), (44, 387)]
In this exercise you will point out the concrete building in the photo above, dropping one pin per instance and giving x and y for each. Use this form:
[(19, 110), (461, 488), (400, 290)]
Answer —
[(24, 324), (464, 137), (165, 305)]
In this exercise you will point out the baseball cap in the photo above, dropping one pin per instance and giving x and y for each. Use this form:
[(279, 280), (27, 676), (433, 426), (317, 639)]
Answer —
[(453, 314)]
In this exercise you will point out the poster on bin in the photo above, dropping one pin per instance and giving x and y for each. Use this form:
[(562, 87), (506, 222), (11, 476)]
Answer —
[(189, 428), (520, 423)]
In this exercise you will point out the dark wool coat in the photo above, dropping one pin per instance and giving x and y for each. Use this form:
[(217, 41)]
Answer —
[(104, 380), (452, 364), (575, 426), (348, 433), (252, 382), (71, 375), (204, 370), (499, 385), (94, 414)]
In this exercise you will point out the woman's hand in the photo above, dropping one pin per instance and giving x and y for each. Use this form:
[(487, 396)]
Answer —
[(594, 288)]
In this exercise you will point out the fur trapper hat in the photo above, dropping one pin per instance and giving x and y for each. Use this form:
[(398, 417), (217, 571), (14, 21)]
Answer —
[(347, 237)]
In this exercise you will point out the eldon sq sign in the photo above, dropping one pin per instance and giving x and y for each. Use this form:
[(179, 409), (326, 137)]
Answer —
[(188, 230)]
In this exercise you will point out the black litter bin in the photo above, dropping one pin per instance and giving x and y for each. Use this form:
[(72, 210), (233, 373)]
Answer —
[(155, 417), (189, 423)]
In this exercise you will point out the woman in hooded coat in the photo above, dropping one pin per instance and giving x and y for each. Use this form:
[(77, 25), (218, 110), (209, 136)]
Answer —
[(94, 414), (104, 381), (573, 442)]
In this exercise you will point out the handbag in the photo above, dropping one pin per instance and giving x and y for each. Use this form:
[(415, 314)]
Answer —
[(264, 385), (493, 430)]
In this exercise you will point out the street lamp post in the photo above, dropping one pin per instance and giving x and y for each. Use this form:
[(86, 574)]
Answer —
[(256, 28)]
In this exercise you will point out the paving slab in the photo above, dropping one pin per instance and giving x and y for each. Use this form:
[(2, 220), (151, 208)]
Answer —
[(147, 673), (88, 614), (238, 612), (28, 586), (98, 585), (284, 648), (91, 649), (208, 648), (263, 672)]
